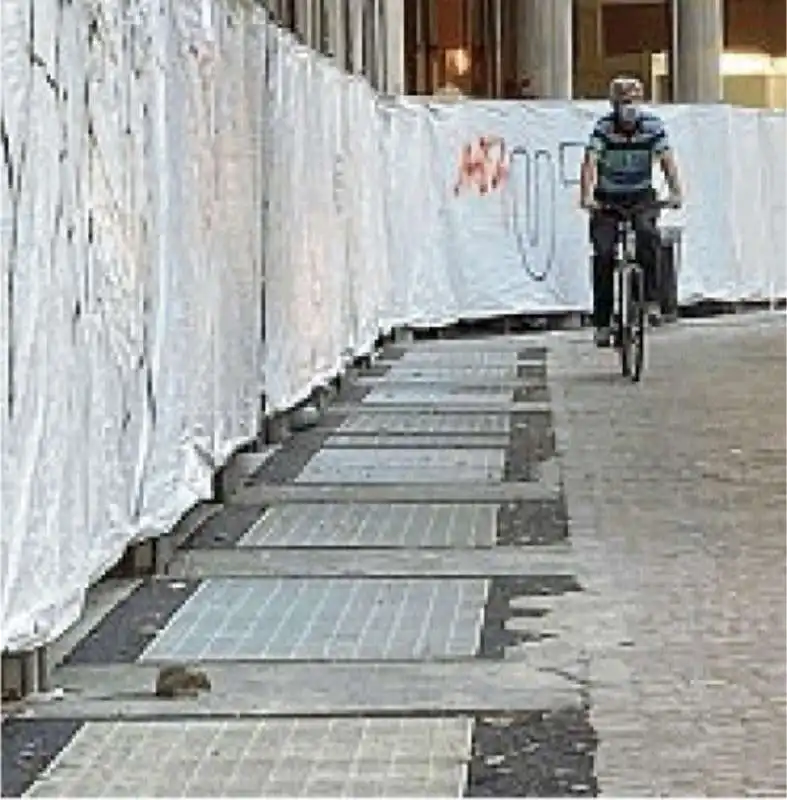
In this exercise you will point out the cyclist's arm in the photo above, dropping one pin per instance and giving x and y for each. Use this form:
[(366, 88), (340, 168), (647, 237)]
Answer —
[(665, 155), (669, 166), (589, 172)]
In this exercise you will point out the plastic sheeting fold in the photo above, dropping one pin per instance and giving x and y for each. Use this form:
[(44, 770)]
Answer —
[(196, 210)]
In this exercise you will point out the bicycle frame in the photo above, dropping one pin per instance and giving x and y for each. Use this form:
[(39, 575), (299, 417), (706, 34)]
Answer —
[(626, 238), (626, 242), (627, 272)]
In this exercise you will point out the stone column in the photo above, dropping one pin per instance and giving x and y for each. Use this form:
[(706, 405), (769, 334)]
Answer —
[(590, 72), (698, 42), (380, 45), (370, 60), (317, 26), (527, 49), (562, 81), (336, 37), (303, 21), (544, 47), (357, 34), (394, 51)]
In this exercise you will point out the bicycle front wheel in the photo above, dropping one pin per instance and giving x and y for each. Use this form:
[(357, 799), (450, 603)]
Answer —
[(636, 317), (624, 321)]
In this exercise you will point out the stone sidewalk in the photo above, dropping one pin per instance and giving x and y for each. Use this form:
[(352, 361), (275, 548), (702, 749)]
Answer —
[(676, 490), (494, 569)]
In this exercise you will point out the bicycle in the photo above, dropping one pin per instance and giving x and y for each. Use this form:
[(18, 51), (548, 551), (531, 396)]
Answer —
[(629, 308)]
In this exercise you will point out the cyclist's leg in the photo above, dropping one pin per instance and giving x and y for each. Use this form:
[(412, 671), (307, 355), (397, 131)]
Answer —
[(648, 253), (603, 229)]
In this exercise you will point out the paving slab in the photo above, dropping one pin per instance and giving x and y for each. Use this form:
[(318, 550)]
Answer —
[(377, 525), (460, 371), (396, 465), (458, 374), (467, 357), (491, 343), (418, 442), (447, 424), (490, 347), (447, 406), (263, 758), (259, 689), (447, 358), (460, 363), (410, 383), (412, 396), (524, 491), (323, 619), (378, 563)]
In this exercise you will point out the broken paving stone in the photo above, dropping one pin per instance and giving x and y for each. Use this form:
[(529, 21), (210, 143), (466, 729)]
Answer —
[(498, 722), (181, 680)]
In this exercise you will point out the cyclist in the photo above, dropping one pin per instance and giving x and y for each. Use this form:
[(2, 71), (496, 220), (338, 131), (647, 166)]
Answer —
[(618, 168)]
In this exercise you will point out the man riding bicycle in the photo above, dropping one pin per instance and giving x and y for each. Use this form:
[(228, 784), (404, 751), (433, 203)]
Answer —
[(618, 169)]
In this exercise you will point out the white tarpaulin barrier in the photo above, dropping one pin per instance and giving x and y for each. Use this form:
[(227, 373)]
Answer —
[(131, 274), (167, 166), (523, 247)]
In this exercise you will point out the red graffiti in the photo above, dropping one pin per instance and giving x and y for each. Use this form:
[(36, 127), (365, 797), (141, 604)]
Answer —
[(483, 165)]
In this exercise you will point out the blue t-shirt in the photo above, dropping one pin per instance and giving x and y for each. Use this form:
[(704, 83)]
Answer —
[(625, 163)]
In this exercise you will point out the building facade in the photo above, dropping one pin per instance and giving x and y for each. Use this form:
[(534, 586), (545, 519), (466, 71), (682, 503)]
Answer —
[(684, 50), (363, 36)]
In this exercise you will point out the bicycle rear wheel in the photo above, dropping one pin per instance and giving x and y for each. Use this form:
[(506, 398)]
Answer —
[(636, 315)]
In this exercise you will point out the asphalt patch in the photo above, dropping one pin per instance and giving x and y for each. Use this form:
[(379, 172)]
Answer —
[(124, 633), (376, 370), (531, 392), (29, 746), (548, 753), (532, 438), (224, 528), (496, 636), (534, 376), (533, 354), (393, 352), (532, 523), (535, 370), (288, 461), (531, 441)]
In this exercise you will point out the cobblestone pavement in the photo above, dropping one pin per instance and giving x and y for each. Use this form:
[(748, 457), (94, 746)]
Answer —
[(453, 588), (677, 492)]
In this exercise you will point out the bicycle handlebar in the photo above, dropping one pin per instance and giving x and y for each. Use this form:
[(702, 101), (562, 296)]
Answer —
[(630, 211)]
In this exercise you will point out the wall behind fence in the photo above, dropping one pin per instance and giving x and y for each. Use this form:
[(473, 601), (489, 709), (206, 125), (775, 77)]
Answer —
[(165, 162)]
